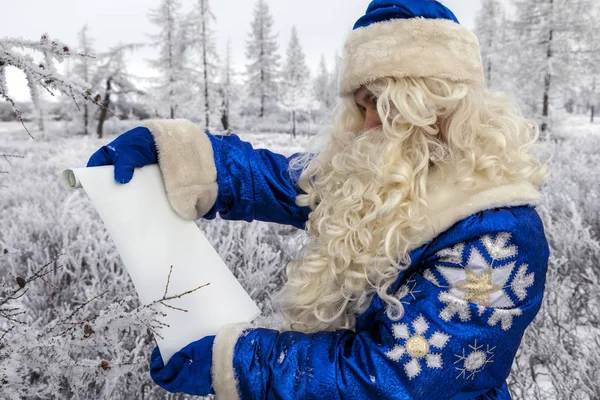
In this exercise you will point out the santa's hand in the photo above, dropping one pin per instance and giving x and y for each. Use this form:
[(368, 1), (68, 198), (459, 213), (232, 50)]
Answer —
[(133, 149), (188, 371)]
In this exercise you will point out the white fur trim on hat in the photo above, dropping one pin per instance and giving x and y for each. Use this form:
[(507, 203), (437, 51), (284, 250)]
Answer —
[(186, 160), (415, 47)]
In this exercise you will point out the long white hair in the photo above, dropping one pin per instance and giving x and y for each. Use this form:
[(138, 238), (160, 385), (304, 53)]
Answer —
[(368, 190)]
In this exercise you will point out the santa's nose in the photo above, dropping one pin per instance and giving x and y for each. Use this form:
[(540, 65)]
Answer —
[(372, 119)]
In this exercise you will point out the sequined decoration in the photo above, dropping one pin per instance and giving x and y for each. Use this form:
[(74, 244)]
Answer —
[(473, 360), (417, 347)]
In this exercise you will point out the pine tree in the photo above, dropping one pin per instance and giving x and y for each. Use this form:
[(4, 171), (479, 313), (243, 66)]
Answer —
[(296, 77), (203, 41), (333, 86), (261, 50), (172, 87), (321, 84)]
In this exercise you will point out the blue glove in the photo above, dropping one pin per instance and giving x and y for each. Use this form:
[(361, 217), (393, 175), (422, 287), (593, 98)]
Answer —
[(133, 149), (188, 371)]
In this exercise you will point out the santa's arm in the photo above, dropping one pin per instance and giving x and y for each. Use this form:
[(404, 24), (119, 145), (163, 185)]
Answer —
[(443, 346), (205, 174)]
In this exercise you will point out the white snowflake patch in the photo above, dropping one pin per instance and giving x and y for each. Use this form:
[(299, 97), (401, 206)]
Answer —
[(417, 346), (473, 280), (473, 360), (478, 282)]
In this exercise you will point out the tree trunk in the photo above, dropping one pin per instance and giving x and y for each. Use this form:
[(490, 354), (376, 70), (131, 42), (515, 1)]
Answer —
[(262, 78), (294, 123), (592, 119), (86, 118), (225, 116), (104, 110), (205, 61), (548, 77)]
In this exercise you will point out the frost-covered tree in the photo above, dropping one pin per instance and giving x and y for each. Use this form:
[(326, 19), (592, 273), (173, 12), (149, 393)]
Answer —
[(333, 81), (114, 80), (84, 69), (172, 89), (295, 79), (490, 27), (226, 89), (547, 45), (321, 84), (262, 51), (41, 73), (206, 57)]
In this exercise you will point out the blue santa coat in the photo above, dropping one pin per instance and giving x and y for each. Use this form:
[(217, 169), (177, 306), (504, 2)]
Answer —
[(468, 296)]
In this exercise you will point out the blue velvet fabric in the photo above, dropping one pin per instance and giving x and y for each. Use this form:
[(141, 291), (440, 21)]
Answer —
[(133, 149), (470, 345), (384, 10), (188, 370), (367, 363), (255, 184)]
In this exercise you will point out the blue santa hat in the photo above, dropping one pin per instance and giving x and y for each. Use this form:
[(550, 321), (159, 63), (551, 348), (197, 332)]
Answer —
[(416, 38)]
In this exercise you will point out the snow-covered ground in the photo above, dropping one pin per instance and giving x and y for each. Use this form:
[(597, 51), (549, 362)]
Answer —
[(40, 221)]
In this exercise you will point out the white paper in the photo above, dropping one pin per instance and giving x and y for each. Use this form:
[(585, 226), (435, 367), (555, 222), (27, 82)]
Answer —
[(150, 237)]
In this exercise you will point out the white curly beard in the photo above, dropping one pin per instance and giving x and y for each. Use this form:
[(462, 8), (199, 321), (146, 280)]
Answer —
[(356, 207)]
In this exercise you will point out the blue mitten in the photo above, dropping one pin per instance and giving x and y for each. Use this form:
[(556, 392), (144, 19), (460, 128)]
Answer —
[(188, 371), (133, 149)]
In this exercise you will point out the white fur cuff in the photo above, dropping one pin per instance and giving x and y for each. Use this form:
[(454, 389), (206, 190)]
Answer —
[(186, 160), (223, 374), (415, 47)]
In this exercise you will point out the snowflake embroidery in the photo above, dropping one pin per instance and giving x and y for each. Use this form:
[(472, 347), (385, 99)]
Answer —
[(505, 317), (479, 282), (408, 289), (473, 362), (427, 274), (482, 283), (522, 282), (454, 306), (417, 346), (452, 254), (497, 248)]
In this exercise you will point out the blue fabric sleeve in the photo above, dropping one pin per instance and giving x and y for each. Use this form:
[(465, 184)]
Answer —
[(255, 184), (466, 308)]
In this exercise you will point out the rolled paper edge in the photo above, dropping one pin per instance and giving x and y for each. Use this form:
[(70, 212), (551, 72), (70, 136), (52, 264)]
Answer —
[(69, 179)]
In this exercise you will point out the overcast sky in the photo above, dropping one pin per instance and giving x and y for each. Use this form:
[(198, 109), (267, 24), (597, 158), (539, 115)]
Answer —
[(322, 25)]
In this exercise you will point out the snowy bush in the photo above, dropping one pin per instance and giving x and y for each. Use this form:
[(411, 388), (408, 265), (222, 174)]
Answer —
[(84, 334)]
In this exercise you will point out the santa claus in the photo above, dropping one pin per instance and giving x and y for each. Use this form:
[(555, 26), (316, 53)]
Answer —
[(425, 259)]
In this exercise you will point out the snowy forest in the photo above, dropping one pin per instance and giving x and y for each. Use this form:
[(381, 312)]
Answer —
[(71, 325)]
